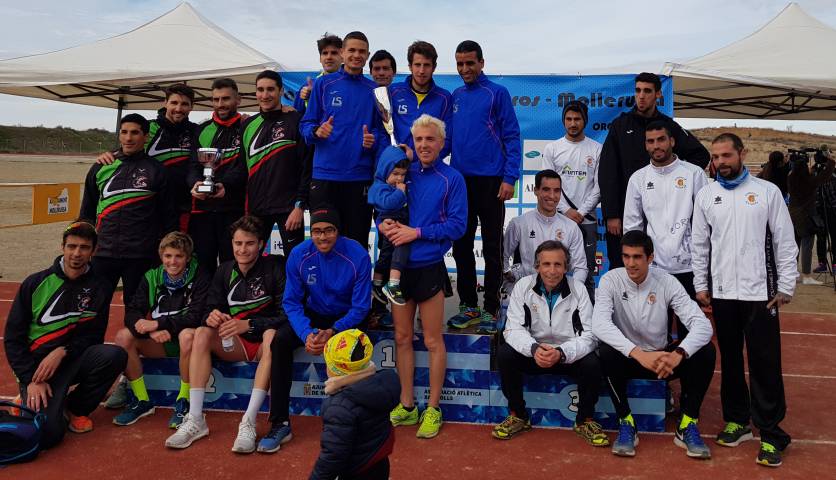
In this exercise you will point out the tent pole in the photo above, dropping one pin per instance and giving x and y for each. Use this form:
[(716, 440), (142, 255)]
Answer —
[(119, 106)]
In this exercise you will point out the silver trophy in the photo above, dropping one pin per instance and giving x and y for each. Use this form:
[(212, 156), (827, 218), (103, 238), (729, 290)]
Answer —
[(209, 158), (384, 106)]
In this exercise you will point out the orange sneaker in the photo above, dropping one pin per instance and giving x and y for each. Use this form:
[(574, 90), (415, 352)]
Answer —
[(80, 424)]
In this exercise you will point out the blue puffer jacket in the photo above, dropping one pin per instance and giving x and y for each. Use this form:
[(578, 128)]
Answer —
[(387, 198), (355, 425)]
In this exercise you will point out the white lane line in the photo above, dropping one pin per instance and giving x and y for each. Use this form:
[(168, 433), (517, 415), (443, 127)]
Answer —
[(809, 333)]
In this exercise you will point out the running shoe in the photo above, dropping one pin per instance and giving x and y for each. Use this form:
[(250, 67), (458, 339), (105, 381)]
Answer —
[(245, 441), (181, 409), (401, 416), (487, 324), (377, 293), (689, 438), (466, 317), (394, 294), (120, 397), (430, 423), (191, 430), (136, 410), (627, 440), (79, 424), (734, 434), (807, 280), (278, 435), (592, 432), (511, 426), (821, 268), (768, 456)]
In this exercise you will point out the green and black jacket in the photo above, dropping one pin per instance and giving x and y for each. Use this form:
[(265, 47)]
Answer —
[(278, 163), (174, 310), (51, 311), (256, 296), (174, 146), (131, 204), (231, 172)]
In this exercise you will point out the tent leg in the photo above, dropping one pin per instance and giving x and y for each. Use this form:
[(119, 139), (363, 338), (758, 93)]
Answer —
[(119, 108)]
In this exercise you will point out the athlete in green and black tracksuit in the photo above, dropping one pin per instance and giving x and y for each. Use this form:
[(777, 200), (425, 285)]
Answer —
[(52, 311), (279, 171), (174, 146), (133, 208), (210, 219)]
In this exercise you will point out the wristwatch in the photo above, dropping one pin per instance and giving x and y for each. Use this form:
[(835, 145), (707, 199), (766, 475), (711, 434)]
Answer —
[(681, 351), (562, 355), (298, 204)]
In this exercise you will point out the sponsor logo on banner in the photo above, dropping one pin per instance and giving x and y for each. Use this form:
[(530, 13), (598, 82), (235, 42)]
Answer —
[(59, 204), (528, 189), (533, 154)]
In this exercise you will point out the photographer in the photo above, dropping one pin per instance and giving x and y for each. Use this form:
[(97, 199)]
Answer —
[(776, 171), (802, 184), (826, 209)]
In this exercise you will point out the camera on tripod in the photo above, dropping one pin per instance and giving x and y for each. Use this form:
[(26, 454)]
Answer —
[(804, 155)]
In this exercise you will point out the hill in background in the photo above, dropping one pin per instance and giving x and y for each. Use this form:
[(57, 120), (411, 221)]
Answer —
[(58, 140), (760, 142)]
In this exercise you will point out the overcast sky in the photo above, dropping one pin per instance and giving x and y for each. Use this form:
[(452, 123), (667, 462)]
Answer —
[(522, 36)]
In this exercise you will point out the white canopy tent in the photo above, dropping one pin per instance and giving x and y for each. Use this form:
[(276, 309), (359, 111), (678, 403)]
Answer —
[(131, 70), (784, 70)]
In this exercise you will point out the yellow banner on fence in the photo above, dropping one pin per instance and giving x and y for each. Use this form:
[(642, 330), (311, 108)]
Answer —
[(56, 202)]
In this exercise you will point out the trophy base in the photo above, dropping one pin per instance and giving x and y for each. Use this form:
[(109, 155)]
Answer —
[(210, 189)]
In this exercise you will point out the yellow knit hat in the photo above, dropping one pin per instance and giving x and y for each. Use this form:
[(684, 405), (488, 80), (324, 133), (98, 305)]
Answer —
[(340, 355)]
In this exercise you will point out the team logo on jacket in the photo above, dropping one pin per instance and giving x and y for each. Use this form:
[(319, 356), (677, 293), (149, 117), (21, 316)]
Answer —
[(455, 108), (624, 296), (84, 299), (139, 179), (185, 142), (650, 186), (532, 234), (278, 131), (589, 161), (718, 200), (679, 182), (255, 287), (402, 109), (558, 235), (651, 298), (751, 198), (337, 102)]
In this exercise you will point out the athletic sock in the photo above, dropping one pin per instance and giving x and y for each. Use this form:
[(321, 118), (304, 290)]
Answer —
[(256, 399), (196, 403), (378, 282), (184, 390), (138, 386), (686, 420), (629, 419), (409, 409), (394, 282)]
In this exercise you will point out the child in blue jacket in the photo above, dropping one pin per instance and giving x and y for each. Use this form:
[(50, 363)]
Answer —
[(388, 196)]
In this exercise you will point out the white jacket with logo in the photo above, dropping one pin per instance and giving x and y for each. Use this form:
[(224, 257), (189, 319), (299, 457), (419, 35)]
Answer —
[(662, 199), (532, 228), (627, 315), (557, 326), (729, 239), (577, 164)]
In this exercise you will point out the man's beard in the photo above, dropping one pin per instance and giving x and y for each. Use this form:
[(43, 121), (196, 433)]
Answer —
[(734, 173)]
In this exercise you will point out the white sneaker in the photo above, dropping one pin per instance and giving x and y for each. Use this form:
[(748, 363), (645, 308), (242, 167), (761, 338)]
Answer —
[(810, 281), (190, 430), (245, 441)]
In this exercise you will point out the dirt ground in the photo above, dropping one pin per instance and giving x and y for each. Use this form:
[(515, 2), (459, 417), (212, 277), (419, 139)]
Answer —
[(43, 241)]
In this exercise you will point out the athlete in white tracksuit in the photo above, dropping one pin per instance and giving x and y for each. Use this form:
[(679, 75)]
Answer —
[(530, 229), (744, 251)]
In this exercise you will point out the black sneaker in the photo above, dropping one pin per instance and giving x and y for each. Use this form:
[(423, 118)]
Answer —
[(734, 434), (768, 455), (377, 293), (394, 294)]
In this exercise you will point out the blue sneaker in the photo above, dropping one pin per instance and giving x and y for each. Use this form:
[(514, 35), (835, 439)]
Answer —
[(279, 433), (487, 324), (135, 410), (689, 438), (627, 440), (181, 408), (467, 316)]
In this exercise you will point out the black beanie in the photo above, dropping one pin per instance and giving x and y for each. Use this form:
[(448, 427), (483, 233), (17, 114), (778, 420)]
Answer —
[(326, 215), (577, 106)]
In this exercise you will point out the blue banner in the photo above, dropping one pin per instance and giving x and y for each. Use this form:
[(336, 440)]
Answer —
[(538, 102)]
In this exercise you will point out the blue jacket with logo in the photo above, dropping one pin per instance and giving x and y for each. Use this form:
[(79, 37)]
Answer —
[(335, 284), (406, 109), (350, 100), (437, 198), (386, 198), (486, 134)]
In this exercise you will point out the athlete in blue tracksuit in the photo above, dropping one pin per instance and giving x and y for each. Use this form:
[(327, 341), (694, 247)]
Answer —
[(407, 105), (342, 167), (487, 152), (325, 292)]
